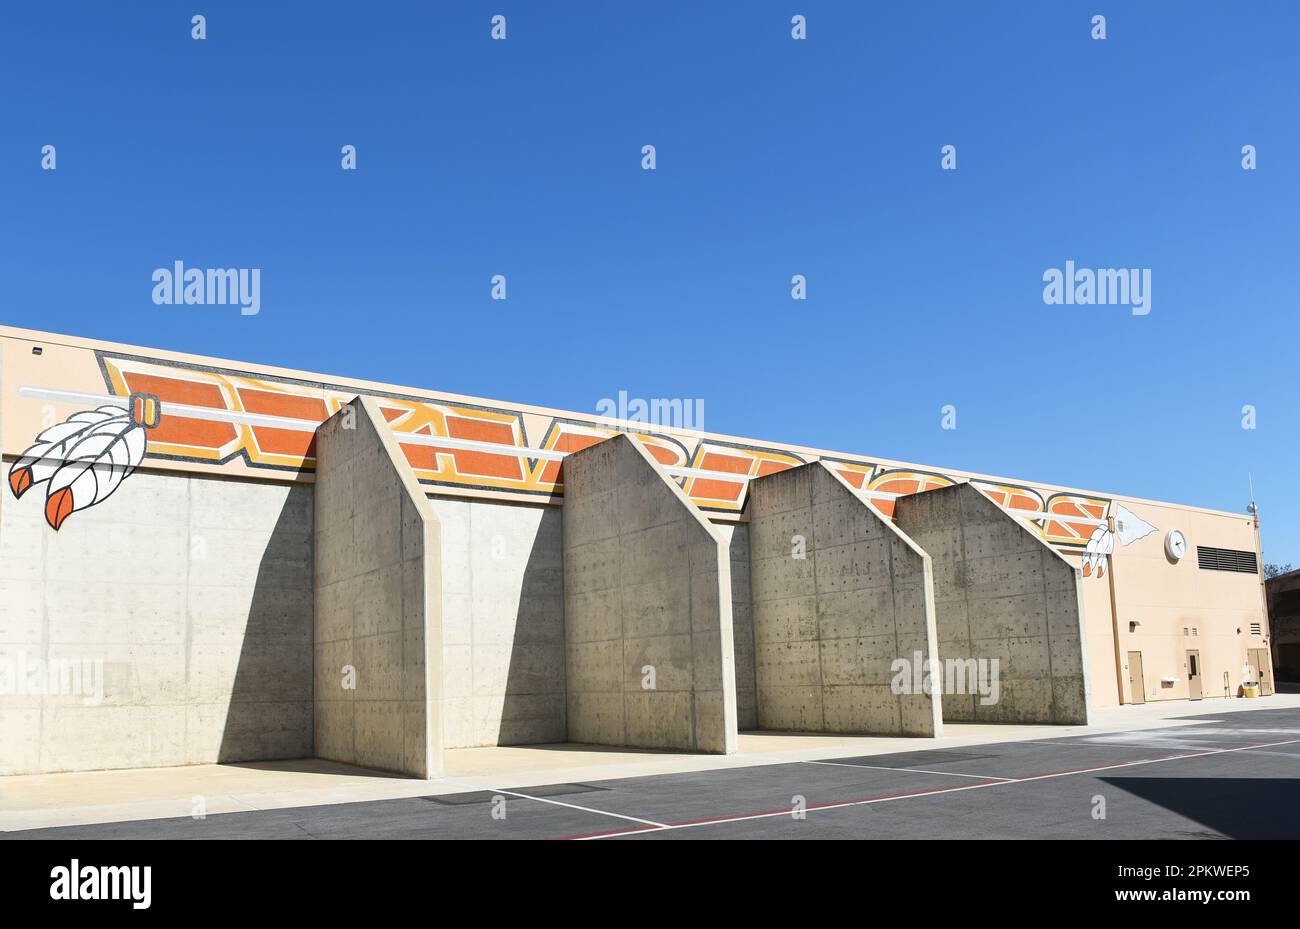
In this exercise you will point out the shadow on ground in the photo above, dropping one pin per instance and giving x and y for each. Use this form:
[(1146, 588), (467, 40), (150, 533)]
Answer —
[(1236, 808)]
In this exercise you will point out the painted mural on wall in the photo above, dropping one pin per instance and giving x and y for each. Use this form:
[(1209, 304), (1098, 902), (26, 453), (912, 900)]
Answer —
[(83, 460), (1129, 527), (159, 410)]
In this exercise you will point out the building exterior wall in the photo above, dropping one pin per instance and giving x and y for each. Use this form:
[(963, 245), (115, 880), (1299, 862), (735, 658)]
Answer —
[(1178, 606), (1284, 624), (1099, 639), (78, 368), (195, 594), (503, 622), (647, 607), (378, 604), (192, 580)]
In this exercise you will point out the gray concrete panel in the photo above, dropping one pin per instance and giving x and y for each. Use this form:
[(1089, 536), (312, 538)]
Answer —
[(839, 595), (648, 598), (1002, 594), (378, 628)]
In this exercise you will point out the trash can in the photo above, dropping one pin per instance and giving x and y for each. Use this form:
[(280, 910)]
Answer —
[(1249, 689)]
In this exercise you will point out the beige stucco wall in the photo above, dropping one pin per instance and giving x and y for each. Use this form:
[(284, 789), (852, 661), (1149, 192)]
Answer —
[(1099, 638), (1165, 598)]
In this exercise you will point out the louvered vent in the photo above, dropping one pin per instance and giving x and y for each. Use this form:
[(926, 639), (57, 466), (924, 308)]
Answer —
[(1227, 559), (1255, 629)]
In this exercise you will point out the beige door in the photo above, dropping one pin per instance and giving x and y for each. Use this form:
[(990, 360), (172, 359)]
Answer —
[(1194, 675), (1259, 661), (1137, 689)]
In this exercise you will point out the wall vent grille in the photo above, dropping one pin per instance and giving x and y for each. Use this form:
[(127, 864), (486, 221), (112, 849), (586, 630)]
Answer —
[(1227, 559)]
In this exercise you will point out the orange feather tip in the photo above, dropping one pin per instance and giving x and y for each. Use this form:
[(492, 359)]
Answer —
[(20, 480), (58, 508)]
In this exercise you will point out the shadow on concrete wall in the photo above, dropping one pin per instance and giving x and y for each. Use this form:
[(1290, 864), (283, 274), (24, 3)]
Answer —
[(533, 711), (270, 713)]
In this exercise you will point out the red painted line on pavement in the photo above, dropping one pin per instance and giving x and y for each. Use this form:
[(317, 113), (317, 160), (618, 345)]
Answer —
[(929, 791)]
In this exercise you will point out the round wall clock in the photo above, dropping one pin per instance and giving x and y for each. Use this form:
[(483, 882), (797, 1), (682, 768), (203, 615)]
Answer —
[(1175, 544)]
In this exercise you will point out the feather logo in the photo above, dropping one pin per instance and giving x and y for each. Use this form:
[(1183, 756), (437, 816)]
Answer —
[(84, 459), (1100, 545), (1129, 528)]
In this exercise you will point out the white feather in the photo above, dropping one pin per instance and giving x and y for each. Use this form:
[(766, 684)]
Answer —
[(88, 455), (52, 445), (104, 455)]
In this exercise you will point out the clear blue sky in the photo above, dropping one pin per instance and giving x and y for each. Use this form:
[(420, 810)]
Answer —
[(775, 158)]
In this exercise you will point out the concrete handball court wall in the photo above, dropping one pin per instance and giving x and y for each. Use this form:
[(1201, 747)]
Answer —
[(212, 599), (1001, 593), (203, 607), (194, 592), (378, 648), (647, 591), (838, 595), (1146, 602), (502, 623)]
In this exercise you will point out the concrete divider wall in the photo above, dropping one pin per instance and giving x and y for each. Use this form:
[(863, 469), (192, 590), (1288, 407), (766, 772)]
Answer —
[(736, 537), (378, 648), (1001, 593), (647, 601), (838, 595), (502, 622)]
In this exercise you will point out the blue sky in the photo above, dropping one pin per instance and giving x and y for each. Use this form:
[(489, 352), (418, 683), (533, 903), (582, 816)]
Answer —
[(775, 158)]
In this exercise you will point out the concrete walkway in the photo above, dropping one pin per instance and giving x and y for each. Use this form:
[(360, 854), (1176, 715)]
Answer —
[(46, 800)]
